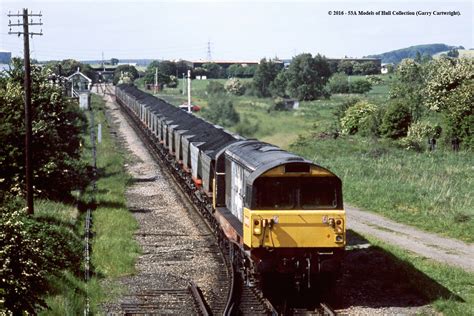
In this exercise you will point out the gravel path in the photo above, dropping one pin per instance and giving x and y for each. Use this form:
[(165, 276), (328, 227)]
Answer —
[(442, 249), (176, 246)]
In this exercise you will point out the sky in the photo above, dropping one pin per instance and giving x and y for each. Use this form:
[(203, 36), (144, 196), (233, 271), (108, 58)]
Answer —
[(233, 30)]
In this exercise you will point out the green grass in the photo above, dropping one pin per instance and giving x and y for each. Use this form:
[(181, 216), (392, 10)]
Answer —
[(114, 249), (431, 191), (433, 280)]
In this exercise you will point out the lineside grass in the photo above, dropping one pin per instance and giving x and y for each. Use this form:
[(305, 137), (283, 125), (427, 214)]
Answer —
[(429, 278), (67, 295), (113, 249)]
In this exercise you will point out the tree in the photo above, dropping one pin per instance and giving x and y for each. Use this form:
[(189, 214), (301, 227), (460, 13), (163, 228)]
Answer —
[(366, 68), (266, 72), (67, 67), (249, 71), (114, 61), (278, 85), (396, 120), (221, 111), (214, 70), (235, 70), (167, 68), (360, 86), (57, 126), (338, 83), (150, 72), (450, 90), (128, 70), (215, 87), (307, 77), (408, 85), (235, 86), (453, 53), (182, 68), (345, 66), (356, 116)]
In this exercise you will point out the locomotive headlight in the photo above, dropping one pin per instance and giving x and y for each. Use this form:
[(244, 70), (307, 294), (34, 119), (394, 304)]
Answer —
[(256, 227), (331, 222), (339, 238)]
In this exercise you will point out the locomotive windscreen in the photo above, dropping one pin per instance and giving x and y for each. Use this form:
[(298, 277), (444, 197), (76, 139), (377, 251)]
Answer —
[(302, 193)]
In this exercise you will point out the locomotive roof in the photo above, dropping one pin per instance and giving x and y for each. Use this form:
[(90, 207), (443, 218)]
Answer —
[(254, 154), (259, 157)]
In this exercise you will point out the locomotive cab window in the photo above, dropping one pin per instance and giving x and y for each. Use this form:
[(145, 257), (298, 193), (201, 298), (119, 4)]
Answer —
[(287, 193)]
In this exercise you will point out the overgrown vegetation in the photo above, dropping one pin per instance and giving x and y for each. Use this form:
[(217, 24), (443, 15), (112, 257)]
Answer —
[(37, 251), (221, 111), (56, 128), (33, 251), (41, 267)]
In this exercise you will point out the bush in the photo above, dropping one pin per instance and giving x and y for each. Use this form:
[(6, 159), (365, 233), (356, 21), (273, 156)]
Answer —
[(341, 108), (355, 116), (418, 135), (235, 86), (279, 104), (31, 251), (221, 111), (250, 89), (338, 83), (57, 124), (173, 82), (215, 87), (374, 80), (396, 121), (371, 125), (278, 86), (246, 128), (360, 86)]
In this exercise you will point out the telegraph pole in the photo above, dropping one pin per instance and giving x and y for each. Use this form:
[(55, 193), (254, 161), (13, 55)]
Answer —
[(27, 87)]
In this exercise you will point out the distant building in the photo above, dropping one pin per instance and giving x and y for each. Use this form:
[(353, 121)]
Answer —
[(223, 63), (79, 87), (5, 57), (385, 68)]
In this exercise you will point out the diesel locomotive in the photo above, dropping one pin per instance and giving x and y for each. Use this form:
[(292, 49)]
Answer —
[(280, 213)]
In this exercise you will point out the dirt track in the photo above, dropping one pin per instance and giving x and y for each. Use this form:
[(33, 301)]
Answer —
[(442, 249)]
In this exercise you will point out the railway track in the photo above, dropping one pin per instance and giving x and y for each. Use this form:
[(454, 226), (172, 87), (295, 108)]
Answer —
[(187, 301), (240, 298)]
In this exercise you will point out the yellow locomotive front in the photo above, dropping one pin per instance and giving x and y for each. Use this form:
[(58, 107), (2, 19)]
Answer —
[(295, 222), (295, 206), (285, 213)]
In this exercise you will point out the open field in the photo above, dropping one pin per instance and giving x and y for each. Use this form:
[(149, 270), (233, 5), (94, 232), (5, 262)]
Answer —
[(427, 190)]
